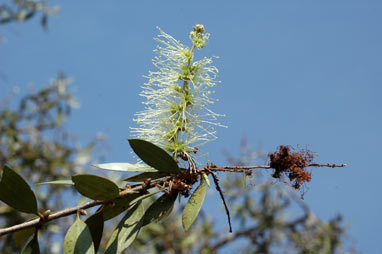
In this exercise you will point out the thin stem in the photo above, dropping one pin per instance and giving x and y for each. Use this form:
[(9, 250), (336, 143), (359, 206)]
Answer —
[(327, 165), (216, 181), (186, 89), (236, 169), (192, 56), (240, 169)]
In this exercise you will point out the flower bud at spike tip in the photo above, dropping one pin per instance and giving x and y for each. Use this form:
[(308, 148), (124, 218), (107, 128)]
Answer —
[(197, 37), (199, 28)]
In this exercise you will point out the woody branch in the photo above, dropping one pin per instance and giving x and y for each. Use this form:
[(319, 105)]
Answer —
[(38, 222)]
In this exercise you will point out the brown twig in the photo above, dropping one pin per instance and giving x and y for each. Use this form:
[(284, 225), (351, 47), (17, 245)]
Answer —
[(240, 169), (236, 169), (216, 181), (39, 221), (327, 165)]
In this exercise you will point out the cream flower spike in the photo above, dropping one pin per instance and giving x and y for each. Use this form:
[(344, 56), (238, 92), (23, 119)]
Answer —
[(177, 115)]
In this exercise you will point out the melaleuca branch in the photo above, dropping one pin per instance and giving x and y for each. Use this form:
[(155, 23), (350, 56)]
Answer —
[(142, 188), (39, 222)]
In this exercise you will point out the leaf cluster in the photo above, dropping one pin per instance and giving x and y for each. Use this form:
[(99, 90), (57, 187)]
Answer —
[(85, 237)]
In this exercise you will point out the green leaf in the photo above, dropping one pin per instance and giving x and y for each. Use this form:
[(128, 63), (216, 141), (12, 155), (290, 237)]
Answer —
[(160, 208), (15, 192), (144, 176), (127, 230), (142, 197), (95, 225), (126, 167), (32, 246), (193, 206), (154, 156), (95, 187), (119, 206), (58, 182), (205, 177), (78, 239), (22, 236), (122, 204)]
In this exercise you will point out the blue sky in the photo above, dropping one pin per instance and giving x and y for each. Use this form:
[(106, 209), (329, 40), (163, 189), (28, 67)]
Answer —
[(292, 72)]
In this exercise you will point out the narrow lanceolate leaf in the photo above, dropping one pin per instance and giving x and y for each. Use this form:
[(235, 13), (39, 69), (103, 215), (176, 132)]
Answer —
[(160, 208), (32, 246), (193, 205), (95, 187), (126, 167), (144, 176), (154, 156), (127, 230), (78, 239), (15, 192), (95, 225), (58, 182)]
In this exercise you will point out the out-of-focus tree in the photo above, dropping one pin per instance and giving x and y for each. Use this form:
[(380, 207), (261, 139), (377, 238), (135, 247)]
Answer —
[(22, 10), (34, 141)]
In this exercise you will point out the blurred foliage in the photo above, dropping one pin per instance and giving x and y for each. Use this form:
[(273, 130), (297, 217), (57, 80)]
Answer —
[(33, 141), (22, 10)]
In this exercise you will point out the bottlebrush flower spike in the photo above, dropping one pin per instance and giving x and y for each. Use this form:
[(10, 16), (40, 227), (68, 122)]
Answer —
[(177, 115)]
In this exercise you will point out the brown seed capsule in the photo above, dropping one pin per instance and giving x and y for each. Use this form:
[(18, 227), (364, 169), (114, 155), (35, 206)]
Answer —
[(147, 181)]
